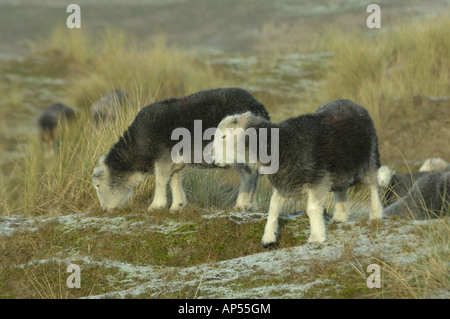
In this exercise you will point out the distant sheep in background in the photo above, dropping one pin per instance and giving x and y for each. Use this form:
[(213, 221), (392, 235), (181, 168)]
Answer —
[(330, 150), (429, 197), (49, 120), (435, 165), (394, 186), (106, 108)]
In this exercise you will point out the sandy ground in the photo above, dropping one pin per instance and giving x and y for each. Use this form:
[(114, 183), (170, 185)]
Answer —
[(254, 276)]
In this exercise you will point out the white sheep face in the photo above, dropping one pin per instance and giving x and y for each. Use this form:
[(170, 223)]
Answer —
[(227, 139), (219, 147), (113, 191)]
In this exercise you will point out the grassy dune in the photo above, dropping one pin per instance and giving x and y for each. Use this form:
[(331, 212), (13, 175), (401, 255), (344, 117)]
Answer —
[(397, 76), (55, 218)]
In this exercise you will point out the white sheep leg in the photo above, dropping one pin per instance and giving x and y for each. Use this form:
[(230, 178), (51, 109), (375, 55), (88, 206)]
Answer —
[(178, 195), (270, 231), (376, 208), (242, 201), (246, 199), (316, 201), (340, 207), (163, 171)]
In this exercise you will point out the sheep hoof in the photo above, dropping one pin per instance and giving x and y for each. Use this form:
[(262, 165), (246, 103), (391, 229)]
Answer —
[(246, 208), (177, 207), (376, 218), (270, 245), (316, 239), (269, 240), (338, 220), (153, 207)]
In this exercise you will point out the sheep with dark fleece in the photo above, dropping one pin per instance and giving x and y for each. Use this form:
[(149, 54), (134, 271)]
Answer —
[(106, 108), (429, 197), (147, 146), (394, 186), (330, 150), (50, 118)]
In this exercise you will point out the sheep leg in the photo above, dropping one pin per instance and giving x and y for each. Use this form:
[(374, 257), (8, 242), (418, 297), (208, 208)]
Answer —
[(341, 209), (376, 208), (316, 201), (246, 199), (163, 172), (178, 194), (271, 229)]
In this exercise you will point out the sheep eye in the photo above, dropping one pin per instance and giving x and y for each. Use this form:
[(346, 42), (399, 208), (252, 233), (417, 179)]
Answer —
[(97, 187)]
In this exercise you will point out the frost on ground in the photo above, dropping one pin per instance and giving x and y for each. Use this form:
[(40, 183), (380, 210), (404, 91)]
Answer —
[(262, 275), (118, 224)]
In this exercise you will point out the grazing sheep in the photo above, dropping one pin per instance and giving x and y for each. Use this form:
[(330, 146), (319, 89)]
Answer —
[(394, 186), (107, 107), (330, 150), (48, 121), (147, 147), (429, 197), (435, 165)]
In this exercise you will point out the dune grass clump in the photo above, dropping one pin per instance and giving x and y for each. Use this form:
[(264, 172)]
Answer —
[(149, 72), (401, 76), (378, 69)]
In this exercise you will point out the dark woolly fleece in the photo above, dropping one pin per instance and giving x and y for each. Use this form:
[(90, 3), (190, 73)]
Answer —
[(338, 139), (428, 197), (149, 137), (399, 186)]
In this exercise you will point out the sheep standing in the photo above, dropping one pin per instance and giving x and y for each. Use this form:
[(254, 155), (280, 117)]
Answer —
[(428, 197), (330, 150), (106, 108), (147, 147), (50, 118)]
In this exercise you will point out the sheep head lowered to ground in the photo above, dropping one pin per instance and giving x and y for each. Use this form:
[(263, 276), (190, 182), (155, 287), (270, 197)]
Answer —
[(152, 145), (113, 191)]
